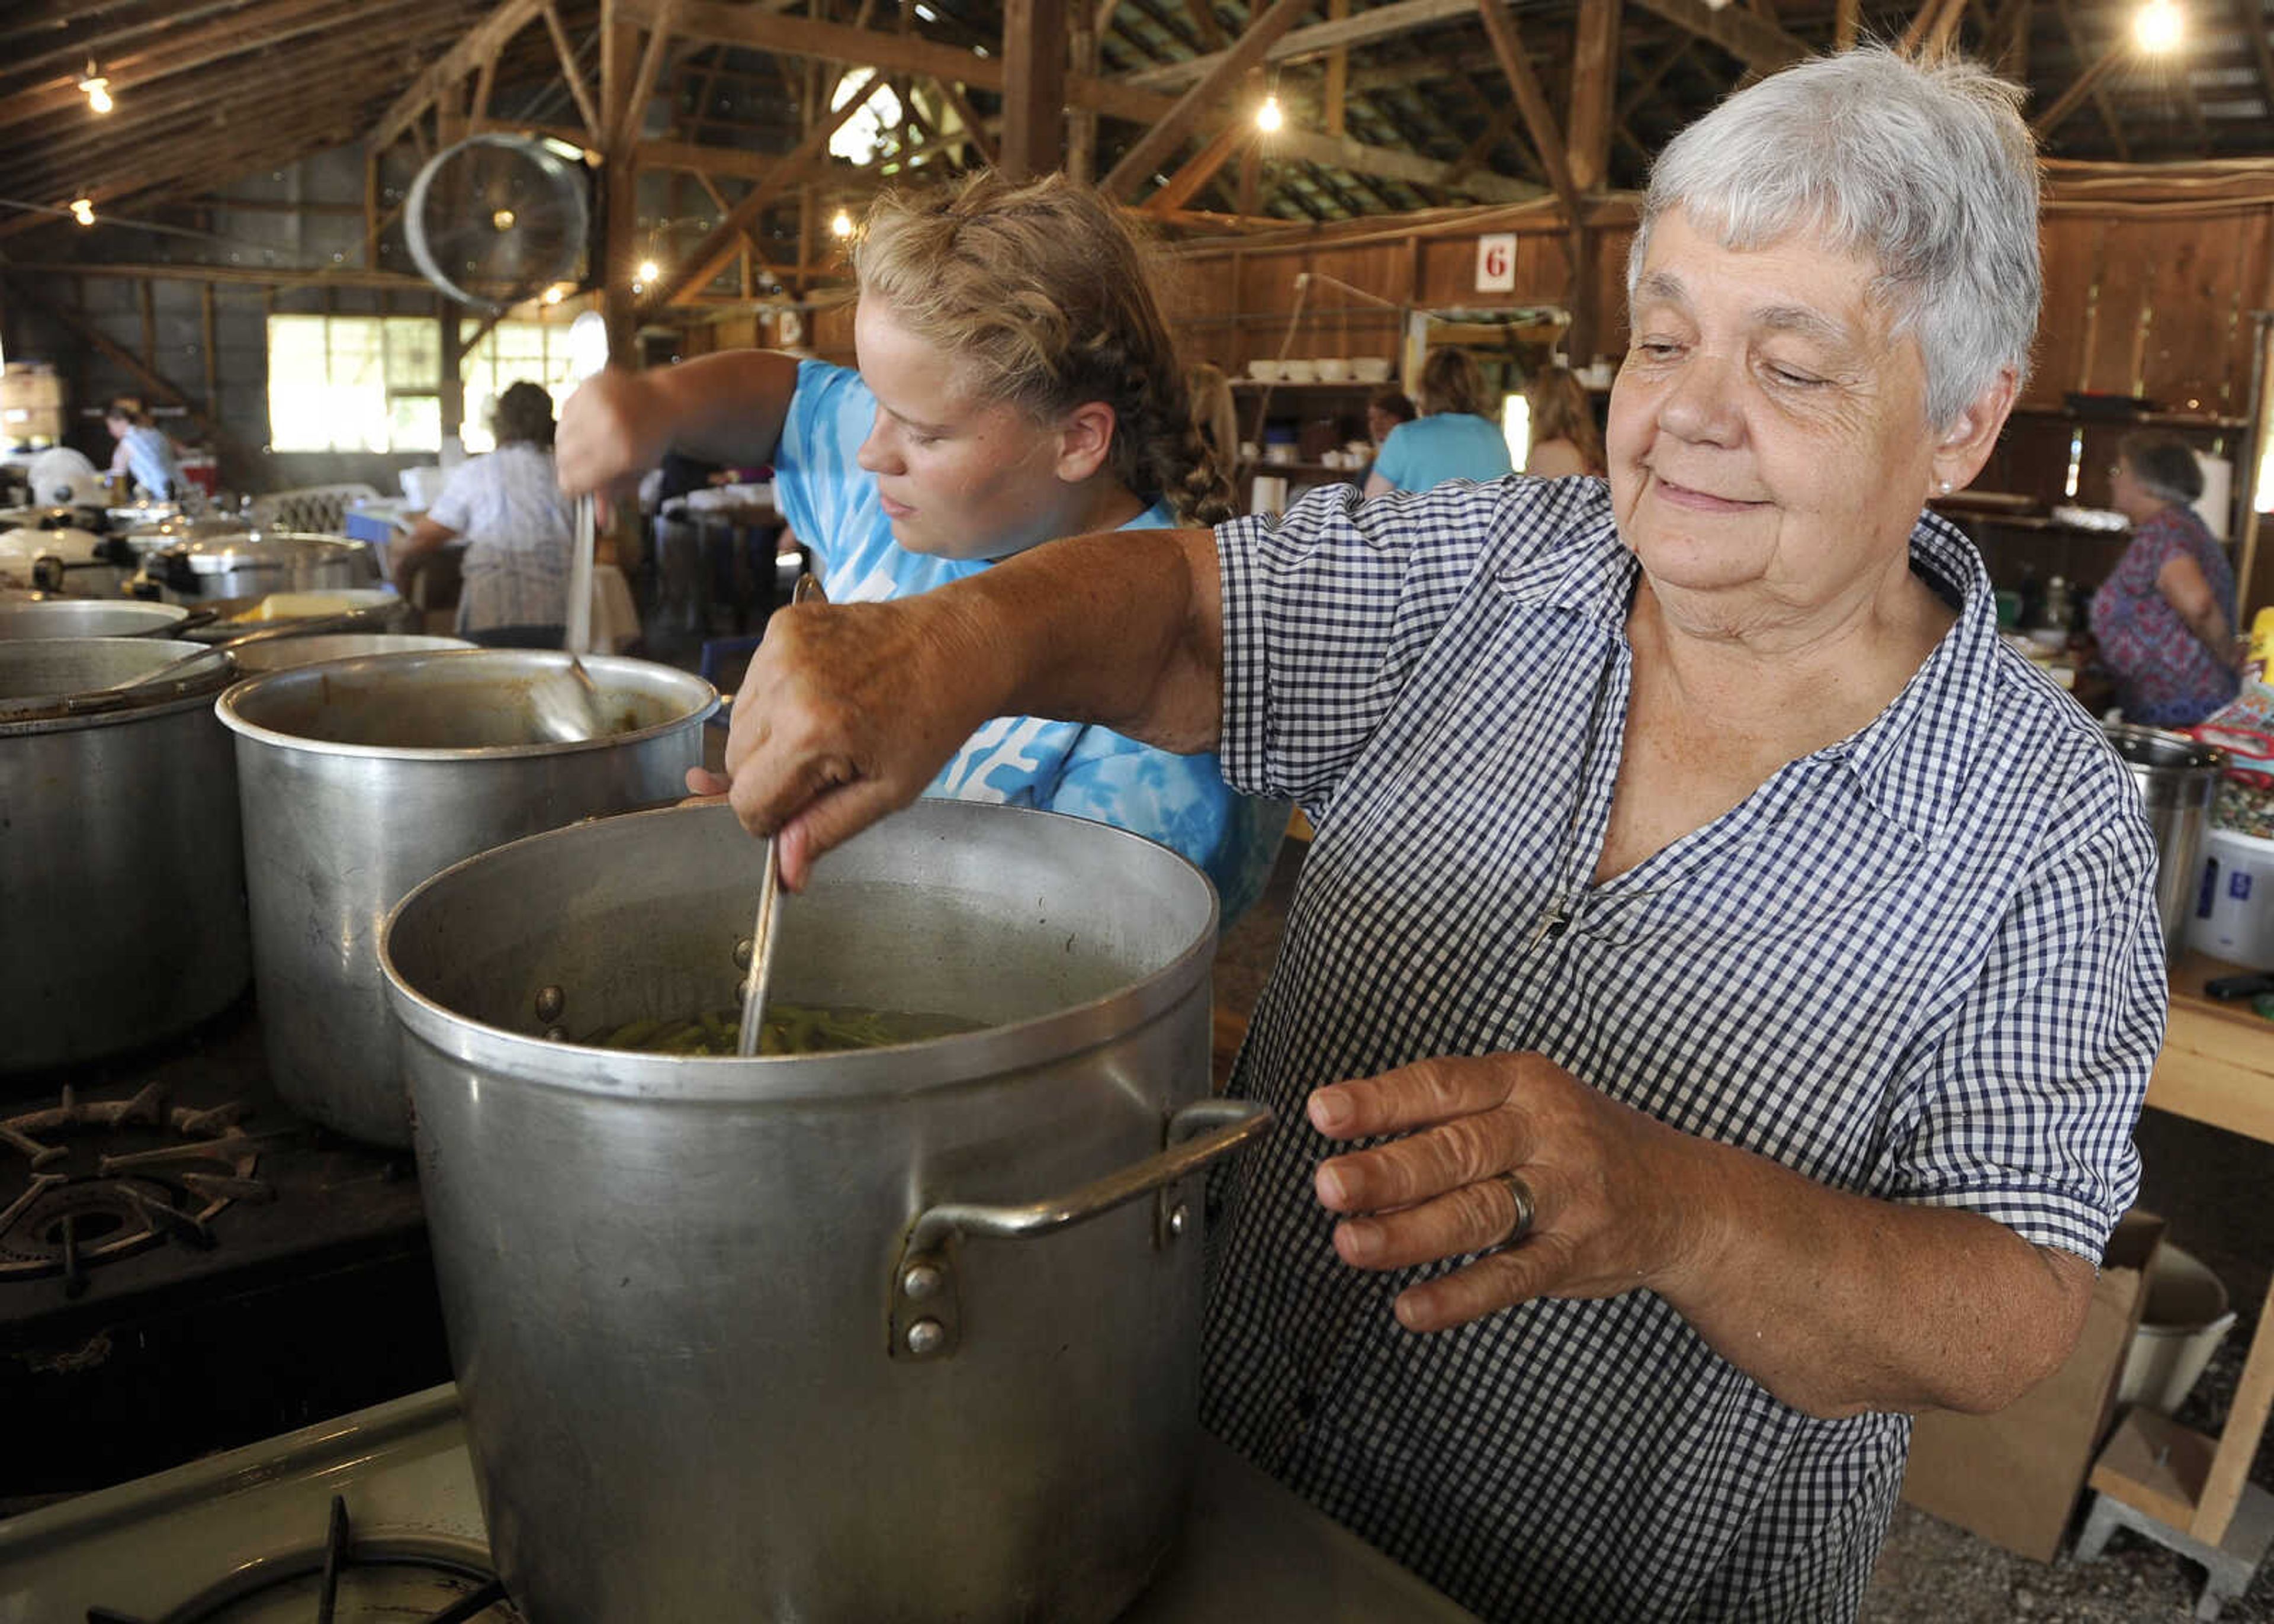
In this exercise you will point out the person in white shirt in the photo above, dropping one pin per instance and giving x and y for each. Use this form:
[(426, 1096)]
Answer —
[(143, 451), (509, 509)]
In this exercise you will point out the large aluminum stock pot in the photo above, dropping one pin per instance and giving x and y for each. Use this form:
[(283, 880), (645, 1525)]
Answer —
[(358, 778), (909, 1334), (122, 881)]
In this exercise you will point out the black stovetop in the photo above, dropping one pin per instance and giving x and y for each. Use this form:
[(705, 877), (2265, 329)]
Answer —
[(268, 1273)]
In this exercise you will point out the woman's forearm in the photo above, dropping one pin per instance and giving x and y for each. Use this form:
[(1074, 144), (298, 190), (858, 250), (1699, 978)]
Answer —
[(1122, 629), (1840, 1303)]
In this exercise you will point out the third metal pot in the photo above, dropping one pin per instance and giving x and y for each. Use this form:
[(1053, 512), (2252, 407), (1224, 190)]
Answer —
[(254, 563), (358, 778)]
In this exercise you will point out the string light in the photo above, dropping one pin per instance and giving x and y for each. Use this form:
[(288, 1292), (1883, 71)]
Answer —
[(1268, 117), (840, 224), (97, 88), (552, 295), (82, 211), (2158, 26)]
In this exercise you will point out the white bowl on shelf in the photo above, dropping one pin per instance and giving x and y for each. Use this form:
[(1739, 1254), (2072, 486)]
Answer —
[(1334, 368), (1300, 370), (1369, 369), (1263, 370)]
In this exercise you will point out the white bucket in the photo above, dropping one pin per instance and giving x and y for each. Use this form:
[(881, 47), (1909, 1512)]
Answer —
[(2184, 1320), (2233, 916)]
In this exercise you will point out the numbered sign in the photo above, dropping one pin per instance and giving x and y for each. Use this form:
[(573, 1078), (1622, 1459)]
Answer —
[(1496, 263)]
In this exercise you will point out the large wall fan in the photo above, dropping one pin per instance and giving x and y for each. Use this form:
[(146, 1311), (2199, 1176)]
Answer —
[(496, 220)]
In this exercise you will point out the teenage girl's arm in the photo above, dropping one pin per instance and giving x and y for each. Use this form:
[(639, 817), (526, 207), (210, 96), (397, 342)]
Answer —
[(726, 408)]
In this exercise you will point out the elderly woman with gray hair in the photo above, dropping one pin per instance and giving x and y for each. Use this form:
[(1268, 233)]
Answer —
[(1734, 975), (2165, 617)]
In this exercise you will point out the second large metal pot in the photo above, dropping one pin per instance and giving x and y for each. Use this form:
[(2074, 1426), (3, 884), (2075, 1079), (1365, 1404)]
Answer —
[(254, 563), (359, 778), (122, 884), (905, 1334), (2177, 778)]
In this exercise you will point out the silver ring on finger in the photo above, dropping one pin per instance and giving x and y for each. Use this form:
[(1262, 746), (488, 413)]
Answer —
[(1520, 1193)]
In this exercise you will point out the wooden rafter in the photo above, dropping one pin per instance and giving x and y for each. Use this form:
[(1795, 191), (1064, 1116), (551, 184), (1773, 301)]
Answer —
[(1926, 20), (643, 83), (571, 74), (1399, 17), (973, 125), (1531, 100), (1034, 96), (1164, 137), (1197, 170), (1760, 44), (484, 40), (718, 249), (2250, 15), (1594, 87), (2083, 84)]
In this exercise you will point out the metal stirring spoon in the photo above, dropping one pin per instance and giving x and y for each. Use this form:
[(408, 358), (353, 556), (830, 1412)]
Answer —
[(762, 930)]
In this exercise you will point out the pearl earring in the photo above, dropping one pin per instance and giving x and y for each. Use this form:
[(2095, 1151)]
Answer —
[(1946, 487)]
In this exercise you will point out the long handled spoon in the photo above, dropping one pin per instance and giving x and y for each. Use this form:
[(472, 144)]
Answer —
[(762, 930)]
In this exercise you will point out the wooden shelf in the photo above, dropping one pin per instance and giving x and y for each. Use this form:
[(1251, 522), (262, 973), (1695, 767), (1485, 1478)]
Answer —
[(1346, 385)]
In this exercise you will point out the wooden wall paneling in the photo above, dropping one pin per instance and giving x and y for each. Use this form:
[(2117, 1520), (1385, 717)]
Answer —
[(2257, 248), (2070, 246), (2184, 316), (2119, 306)]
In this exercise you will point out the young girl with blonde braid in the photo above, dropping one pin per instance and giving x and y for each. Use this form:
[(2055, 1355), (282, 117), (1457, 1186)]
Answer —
[(1017, 383)]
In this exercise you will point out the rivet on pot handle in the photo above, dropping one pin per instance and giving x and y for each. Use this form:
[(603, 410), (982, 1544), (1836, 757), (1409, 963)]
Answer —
[(925, 1321)]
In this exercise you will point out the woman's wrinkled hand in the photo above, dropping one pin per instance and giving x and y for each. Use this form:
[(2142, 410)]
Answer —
[(611, 430), (1610, 1186), (845, 714)]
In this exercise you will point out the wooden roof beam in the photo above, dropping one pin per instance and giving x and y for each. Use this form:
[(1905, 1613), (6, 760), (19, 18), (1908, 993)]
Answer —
[(484, 41), (572, 75), (1400, 17), (1164, 137), (718, 249), (1531, 100), (1760, 44), (1197, 170), (2080, 87)]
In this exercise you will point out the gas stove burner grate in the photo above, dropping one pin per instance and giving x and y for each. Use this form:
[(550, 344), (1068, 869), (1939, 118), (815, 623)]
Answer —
[(106, 1179), (347, 1579)]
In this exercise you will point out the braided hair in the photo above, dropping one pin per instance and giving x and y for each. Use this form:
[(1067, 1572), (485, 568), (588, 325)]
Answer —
[(1044, 292)]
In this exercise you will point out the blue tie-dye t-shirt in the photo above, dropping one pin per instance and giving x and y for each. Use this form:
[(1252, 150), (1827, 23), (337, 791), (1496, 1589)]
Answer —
[(1181, 801)]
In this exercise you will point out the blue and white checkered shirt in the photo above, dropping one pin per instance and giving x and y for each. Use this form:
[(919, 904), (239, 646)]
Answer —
[(1922, 964)]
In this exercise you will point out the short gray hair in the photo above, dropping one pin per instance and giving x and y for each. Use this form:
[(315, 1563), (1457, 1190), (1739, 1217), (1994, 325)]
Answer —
[(2164, 465), (1926, 169)]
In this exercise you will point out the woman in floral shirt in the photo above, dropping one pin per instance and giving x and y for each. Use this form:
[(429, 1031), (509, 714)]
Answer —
[(2165, 617)]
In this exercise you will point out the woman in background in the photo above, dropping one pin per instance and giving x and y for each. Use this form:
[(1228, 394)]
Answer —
[(509, 509), (1454, 438), (1384, 412), (1564, 438), (2165, 617)]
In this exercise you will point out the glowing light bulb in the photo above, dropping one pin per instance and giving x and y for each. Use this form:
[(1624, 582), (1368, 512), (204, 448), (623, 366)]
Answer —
[(2158, 26), (840, 224), (552, 295), (502, 220), (1268, 117), (98, 90), (647, 271), (82, 211)]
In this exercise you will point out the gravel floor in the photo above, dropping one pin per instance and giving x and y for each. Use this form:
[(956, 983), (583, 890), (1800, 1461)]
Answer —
[(2211, 1188)]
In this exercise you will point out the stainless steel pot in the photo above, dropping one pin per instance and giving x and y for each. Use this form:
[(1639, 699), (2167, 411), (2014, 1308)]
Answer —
[(255, 658), (250, 563), (53, 557), (2177, 779), (907, 1334), (122, 883), (359, 779), (88, 617)]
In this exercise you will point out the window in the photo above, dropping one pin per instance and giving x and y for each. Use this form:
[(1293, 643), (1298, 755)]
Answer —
[(373, 383), (354, 383)]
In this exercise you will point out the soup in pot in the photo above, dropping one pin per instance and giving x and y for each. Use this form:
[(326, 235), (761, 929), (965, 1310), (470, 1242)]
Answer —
[(789, 1029)]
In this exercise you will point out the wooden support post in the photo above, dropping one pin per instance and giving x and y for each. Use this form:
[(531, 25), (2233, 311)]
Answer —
[(147, 302), (642, 85), (1082, 122), (209, 331), (1594, 87), (1337, 75), (1847, 18), (452, 390), (1532, 101), (1034, 87), (620, 189)]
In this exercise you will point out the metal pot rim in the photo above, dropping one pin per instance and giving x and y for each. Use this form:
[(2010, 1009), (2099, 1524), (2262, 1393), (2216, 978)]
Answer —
[(227, 709), (858, 1077), (59, 713)]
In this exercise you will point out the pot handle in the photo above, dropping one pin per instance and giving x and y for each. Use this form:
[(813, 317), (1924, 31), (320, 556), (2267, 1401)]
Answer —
[(924, 1320)]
